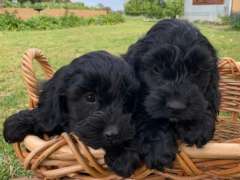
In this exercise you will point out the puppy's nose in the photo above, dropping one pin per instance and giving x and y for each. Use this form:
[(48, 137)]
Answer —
[(111, 132), (176, 105)]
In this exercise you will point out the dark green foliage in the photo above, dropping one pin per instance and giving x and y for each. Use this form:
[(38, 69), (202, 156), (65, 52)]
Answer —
[(155, 8), (225, 20), (12, 23), (42, 23), (111, 18), (73, 21), (235, 21), (174, 8)]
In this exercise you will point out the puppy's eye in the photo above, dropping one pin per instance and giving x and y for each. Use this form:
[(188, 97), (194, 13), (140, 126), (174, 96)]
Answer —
[(90, 97), (156, 70)]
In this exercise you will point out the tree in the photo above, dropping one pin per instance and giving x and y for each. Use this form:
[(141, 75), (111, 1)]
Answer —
[(155, 8), (174, 8), (100, 6)]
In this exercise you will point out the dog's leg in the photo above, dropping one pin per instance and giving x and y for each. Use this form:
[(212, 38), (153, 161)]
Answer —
[(158, 149), (123, 161), (17, 126), (199, 131)]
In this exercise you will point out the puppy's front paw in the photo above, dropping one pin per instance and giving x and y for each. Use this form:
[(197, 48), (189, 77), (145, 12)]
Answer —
[(123, 163), (17, 126), (159, 154), (194, 135), (199, 133)]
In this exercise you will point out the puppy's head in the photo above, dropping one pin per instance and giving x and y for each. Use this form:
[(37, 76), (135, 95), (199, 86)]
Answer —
[(176, 82), (95, 96)]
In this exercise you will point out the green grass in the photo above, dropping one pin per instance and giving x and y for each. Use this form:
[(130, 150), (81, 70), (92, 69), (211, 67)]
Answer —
[(61, 46)]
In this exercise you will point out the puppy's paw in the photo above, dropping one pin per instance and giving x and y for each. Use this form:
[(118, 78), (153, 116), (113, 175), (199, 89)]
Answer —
[(197, 134), (159, 154), (123, 163), (17, 126), (194, 135)]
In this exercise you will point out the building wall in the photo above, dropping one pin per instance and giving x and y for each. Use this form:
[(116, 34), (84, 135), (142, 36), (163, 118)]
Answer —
[(26, 13), (206, 12)]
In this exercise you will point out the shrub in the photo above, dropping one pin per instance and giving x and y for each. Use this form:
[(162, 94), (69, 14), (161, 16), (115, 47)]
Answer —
[(42, 23), (111, 18), (73, 21), (225, 19), (235, 21), (11, 22)]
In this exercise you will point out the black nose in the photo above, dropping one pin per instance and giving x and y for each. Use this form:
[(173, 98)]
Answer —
[(111, 132), (176, 105)]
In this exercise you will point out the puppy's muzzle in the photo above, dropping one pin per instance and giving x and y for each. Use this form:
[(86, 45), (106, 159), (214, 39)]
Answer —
[(175, 105), (111, 134)]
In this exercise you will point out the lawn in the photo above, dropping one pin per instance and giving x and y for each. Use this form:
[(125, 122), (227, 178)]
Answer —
[(61, 46)]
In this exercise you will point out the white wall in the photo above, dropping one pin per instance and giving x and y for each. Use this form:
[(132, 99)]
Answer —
[(205, 12)]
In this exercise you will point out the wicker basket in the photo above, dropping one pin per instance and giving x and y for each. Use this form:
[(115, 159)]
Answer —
[(66, 157)]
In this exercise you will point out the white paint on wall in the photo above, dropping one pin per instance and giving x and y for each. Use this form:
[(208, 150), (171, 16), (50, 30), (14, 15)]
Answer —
[(206, 12)]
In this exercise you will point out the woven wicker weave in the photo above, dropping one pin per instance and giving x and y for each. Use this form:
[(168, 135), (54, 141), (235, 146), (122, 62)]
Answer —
[(65, 156)]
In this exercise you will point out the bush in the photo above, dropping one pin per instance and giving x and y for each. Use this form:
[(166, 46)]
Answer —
[(42, 23), (155, 8), (225, 20), (11, 22), (235, 21), (111, 18), (73, 21)]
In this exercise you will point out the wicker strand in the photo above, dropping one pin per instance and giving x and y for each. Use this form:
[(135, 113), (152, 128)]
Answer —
[(30, 77), (91, 158), (79, 157), (191, 165), (36, 151)]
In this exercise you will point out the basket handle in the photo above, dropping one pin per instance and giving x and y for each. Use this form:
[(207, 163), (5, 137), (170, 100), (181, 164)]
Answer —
[(29, 76)]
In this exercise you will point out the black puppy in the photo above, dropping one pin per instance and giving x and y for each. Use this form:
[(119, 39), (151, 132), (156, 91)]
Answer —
[(94, 97), (177, 67)]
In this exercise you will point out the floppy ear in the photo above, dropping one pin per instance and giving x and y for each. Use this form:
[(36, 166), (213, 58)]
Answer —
[(52, 107), (201, 58), (213, 94)]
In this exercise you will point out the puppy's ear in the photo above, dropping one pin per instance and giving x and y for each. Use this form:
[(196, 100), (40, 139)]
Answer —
[(203, 58), (163, 57), (213, 94), (52, 107)]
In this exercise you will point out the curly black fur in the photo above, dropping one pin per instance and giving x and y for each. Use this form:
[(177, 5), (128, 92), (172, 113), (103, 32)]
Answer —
[(94, 97), (177, 68)]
